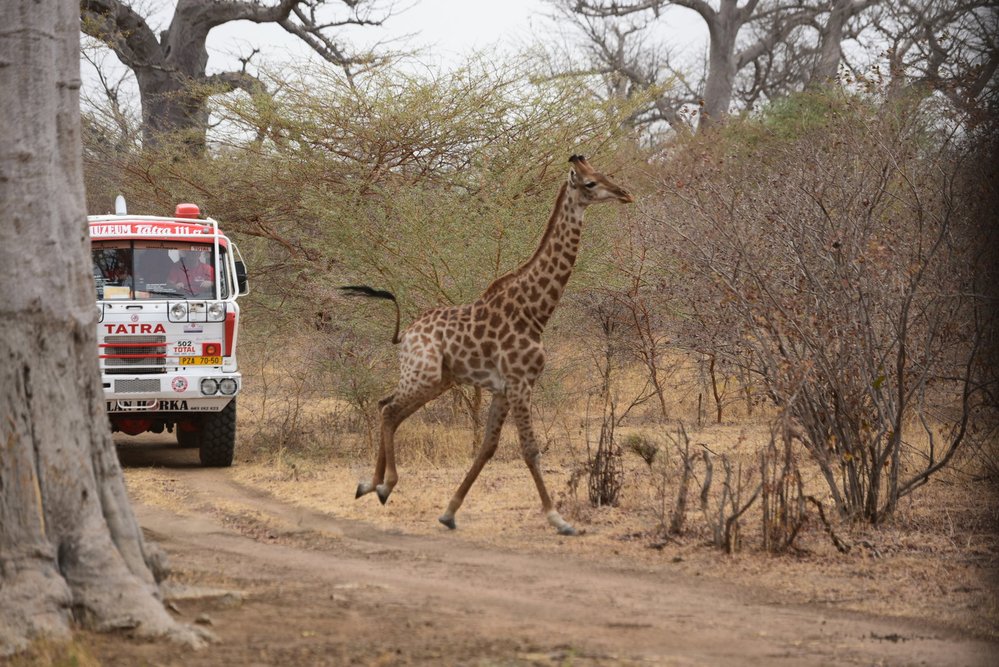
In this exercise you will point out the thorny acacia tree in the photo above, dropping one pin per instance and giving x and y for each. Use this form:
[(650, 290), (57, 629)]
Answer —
[(431, 186), (70, 547), (171, 68), (436, 185), (842, 260)]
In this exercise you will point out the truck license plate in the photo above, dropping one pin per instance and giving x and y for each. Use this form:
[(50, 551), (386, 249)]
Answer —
[(201, 361)]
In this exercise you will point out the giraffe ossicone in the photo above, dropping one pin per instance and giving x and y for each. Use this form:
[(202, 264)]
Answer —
[(493, 343)]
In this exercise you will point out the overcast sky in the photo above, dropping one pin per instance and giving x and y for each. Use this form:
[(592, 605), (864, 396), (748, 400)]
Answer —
[(443, 32)]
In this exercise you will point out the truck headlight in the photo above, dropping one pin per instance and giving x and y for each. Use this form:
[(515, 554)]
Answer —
[(228, 386), (209, 387), (216, 311), (178, 312)]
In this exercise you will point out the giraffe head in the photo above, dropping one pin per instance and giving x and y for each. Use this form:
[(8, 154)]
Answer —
[(592, 186)]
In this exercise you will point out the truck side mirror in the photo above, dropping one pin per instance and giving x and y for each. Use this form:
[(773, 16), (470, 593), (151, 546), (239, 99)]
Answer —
[(241, 282)]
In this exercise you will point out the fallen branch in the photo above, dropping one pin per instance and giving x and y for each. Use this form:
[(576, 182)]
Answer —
[(840, 545)]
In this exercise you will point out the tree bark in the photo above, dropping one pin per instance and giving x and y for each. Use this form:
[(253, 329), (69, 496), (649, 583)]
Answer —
[(70, 547)]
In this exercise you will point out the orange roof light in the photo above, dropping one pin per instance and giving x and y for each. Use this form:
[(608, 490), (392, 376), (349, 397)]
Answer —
[(187, 211)]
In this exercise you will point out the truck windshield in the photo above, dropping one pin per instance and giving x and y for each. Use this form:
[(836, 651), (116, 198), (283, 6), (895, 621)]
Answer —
[(142, 270)]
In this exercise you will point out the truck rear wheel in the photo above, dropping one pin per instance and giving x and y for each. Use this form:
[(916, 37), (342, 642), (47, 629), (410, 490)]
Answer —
[(217, 437)]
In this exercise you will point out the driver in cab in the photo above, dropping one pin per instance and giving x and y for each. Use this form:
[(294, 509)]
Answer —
[(192, 274)]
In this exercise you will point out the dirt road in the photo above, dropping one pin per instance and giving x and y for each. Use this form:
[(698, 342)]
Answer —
[(314, 589)]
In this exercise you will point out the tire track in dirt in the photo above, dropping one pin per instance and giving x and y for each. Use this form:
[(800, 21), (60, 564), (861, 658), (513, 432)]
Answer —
[(454, 590)]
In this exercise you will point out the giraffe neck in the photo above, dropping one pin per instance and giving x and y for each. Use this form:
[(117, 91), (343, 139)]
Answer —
[(544, 276)]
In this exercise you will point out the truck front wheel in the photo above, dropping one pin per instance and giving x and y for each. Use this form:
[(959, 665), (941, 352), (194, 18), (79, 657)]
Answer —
[(217, 437)]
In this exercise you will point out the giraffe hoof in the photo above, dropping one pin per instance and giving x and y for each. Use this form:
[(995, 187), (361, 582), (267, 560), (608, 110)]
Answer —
[(567, 530), (362, 488), (448, 521), (382, 492)]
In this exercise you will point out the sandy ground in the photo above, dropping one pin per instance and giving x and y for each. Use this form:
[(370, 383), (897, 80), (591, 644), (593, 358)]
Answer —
[(298, 573)]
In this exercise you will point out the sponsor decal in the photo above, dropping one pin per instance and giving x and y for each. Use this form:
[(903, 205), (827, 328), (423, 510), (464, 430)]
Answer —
[(170, 405), (146, 229), (110, 230), (183, 347), (179, 384), (134, 328)]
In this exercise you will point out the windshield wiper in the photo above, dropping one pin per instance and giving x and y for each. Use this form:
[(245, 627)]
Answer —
[(165, 292)]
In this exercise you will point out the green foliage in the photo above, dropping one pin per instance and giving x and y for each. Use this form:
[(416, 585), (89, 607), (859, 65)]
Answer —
[(428, 186), (781, 120)]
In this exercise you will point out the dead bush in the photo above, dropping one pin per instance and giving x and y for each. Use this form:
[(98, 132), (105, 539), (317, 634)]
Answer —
[(840, 264), (782, 496)]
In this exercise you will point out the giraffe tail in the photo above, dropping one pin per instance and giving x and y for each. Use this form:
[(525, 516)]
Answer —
[(371, 293)]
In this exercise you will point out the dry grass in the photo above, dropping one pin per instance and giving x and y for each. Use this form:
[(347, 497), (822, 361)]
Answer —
[(937, 557), (52, 653)]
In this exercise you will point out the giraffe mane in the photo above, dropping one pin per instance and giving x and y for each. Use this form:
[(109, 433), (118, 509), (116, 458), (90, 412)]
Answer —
[(500, 282)]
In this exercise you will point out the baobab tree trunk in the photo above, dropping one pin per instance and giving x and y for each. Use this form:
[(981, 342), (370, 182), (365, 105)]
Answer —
[(723, 26), (70, 547), (831, 44), (170, 66), (174, 107), (721, 74)]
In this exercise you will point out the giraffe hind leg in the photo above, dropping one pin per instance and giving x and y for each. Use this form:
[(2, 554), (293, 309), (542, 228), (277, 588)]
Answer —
[(395, 410), (364, 488)]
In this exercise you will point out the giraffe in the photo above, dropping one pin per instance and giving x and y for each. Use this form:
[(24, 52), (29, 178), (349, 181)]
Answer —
[(493, 343)]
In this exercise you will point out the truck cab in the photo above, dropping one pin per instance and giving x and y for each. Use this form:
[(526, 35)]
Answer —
[(167, 326)]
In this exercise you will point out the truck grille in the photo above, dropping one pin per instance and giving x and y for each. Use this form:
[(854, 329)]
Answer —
[(136, 385), (125, 355)]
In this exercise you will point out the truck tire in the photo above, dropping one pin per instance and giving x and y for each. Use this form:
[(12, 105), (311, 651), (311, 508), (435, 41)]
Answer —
[(218, 437)]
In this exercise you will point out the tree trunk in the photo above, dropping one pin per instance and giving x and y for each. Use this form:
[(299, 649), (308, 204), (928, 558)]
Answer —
[(721, 73), (174, 89), (70, 547), (170, 70), (831, 45), (723, 30), (173, 108)]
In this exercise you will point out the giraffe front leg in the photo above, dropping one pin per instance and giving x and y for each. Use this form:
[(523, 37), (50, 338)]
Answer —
[(532, 456), (497, 414)]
